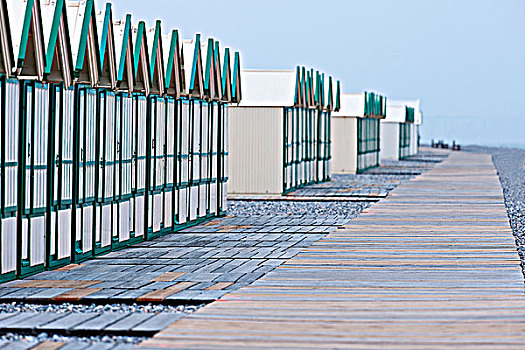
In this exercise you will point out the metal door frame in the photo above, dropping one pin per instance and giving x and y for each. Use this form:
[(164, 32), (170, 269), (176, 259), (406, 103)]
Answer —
[(8, 213), (24, 267), (80, 151), (56, 160), (102, 164)]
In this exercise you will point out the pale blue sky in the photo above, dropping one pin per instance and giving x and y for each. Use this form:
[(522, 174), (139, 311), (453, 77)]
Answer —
[(462, 58)]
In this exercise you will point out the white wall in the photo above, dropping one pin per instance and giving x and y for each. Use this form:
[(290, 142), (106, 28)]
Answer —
[(344, 145), (256, 150), (413, 139), (389, 141)]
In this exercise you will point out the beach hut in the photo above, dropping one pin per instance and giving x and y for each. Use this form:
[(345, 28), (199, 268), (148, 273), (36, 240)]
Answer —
[(9, 101), (9, 149), (395, 131), (140, 144), (58, 74), (30, 133), (191, 129), (415, 125), (272, 129), (174, 87), (355, 132), (108, 133), (86, 65), (228, 75), (122, 31), (157, 135)]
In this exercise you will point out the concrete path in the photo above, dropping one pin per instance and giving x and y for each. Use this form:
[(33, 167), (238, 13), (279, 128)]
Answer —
[(432, 266)]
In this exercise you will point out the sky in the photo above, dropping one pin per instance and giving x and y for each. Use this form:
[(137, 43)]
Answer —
[(464, 59)]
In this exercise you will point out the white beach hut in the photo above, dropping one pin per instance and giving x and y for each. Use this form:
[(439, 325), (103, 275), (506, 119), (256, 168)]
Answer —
[(58, 74), (355, 132), (278, 131), (28, 132), (396, 131)]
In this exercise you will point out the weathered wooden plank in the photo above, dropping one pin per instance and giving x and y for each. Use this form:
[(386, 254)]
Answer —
[(434, 265)]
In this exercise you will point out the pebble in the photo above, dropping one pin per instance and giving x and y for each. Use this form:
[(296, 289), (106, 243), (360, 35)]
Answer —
[(93, 308)]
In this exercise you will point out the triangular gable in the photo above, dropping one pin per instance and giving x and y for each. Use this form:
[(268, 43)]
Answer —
[(236, 85), (124, 55), (194, 79), (307, 88), (107, 56), (311, 88), (304, 96), (84, 41), (209, 70), (298, 91), (7, 62), (27, 38), (217, 64), (174, 79), (141, 60), (315, 87), (59, 64), (329, 96), (337, 106), (156, 60), (226, 77)]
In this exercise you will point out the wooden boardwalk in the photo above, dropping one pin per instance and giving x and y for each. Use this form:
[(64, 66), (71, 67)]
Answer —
[(432, 266)]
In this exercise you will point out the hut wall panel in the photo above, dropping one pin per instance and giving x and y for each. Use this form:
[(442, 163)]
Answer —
[(389, 138), (214, 164), (204, 156), (256, 161), (171, 142), (9, 132), (344, 141), (34, 142), (225, 155), (414, 135)]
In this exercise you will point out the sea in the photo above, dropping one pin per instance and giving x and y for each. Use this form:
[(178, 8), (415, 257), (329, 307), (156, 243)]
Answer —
[(503, 131)]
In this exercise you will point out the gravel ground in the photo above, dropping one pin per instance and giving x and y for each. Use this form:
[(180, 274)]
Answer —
[(261, 208), (79, 308), (510, 163), (102, 341), (347, 209)]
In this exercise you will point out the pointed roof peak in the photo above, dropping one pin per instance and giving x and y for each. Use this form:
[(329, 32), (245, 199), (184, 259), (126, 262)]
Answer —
[(59, 61), (25, 22)]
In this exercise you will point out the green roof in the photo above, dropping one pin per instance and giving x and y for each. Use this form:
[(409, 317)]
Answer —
[(89, 16), (236, 84)]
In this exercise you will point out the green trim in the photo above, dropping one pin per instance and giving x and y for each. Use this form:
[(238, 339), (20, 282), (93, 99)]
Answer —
[(89, 15), (226, 72), (194, 65), (409, 114), (298, 90), (209, 65), (25, 32), (368, 131), (237, 79), (174, 48), (141, 37), (60, 12), (8, 276), (330, 97), (338, 97), (126, 40), (156, 44), (105, 33)]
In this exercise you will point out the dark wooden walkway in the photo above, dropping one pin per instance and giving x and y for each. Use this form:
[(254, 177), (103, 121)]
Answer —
[(432, 266)]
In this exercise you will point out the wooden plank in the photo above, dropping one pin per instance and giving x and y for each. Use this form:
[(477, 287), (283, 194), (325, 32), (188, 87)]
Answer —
[(434, 265)]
